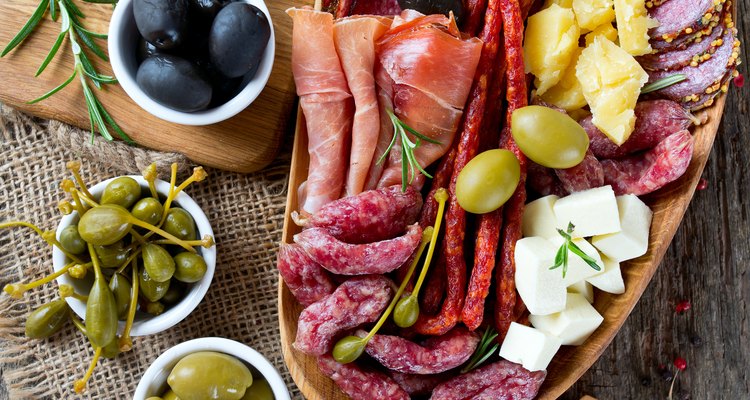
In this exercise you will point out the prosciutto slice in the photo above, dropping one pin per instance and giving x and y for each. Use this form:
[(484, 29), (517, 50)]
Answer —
[(428, 69), (326, 103), (355, 43)]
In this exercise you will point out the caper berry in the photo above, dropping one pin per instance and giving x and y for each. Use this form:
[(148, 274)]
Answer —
[(208, 374), (112, 256), (151, 289), (158, 262), (47, 319), (180, 224), (190, 267), (148, 209), (71, 240), (123, 191)]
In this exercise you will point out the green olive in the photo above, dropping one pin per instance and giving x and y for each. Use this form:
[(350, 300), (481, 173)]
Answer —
[(190, 268), (151, 289), (406, 312), (180, 223), (487, 181), (123, 191), (112, 256), (105, 224), (259, 390), (158, 262), (47, 319), (209, 375), (548, 137), (101, 313), (122, 289), (148, 209), (348, 349), (173, 295), (71, 240)]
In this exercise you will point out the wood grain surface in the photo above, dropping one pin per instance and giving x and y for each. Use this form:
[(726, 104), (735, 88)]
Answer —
[(244, 143), (655, 335)]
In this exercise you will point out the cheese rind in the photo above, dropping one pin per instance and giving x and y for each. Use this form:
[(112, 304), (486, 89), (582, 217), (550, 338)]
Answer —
[(578, 269), (610, 280), (574, 324), (583, 288), (632, 240), (593, 212), (541, 289), (539, 218), (530, 347)]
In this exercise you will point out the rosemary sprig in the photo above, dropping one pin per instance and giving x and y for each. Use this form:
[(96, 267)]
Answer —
[(662, 83), (484, 350), (561, 258), (71, 28), (408, 160)]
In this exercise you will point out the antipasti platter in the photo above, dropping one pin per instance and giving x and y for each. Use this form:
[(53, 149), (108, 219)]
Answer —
[(643, 87)]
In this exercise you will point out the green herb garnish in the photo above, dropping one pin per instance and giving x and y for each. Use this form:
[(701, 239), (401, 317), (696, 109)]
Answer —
[(408, 160), (561, 258), (483, 351), (71, 27), (663, 82)]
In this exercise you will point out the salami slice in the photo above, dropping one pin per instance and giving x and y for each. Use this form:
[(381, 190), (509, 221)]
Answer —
[(502, 380), (419, 385), (586, 175), (644, 173), (693, 54), (544, 181), (368, 217), (358, 259), (307, 280), (705, 78), (357, 301), (360, 383), (437, 354), (684, 17), (654, 121)]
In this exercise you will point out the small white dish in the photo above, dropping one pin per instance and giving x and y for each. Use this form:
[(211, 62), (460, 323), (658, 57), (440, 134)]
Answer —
[(146, 324), (154, 380), (123, 41)]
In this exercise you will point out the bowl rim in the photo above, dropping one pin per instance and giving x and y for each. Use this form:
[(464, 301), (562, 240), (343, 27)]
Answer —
[(156, 374), (234, 106), (193, 296)]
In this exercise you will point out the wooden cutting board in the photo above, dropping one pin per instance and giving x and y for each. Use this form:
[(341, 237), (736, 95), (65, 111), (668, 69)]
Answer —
[(245, 143)]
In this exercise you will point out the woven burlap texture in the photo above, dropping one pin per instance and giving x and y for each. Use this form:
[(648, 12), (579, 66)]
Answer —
[(245, 211)]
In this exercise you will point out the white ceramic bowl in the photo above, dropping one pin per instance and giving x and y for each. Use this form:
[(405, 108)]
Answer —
[(146, 324), (123, 40), (154, 380)]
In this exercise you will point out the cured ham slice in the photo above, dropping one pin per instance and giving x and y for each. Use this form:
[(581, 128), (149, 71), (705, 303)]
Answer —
[(326, 103), (429, 69), (355, 43)]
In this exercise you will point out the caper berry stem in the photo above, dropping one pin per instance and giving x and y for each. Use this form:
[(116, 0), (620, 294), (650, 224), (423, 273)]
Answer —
[(138, 237), (16, 290), (171, 194), (130, 258), (68, 291), (48, 237), (207, 242), (149, 174), (78, 271), (173, 239), (441, 195), (125, 342), (80, 385), (65, 207), (75, 167)]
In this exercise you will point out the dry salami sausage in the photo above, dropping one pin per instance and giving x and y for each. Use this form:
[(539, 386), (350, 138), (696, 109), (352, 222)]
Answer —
[(357, 301), (684, 17), (419, 385), (434, 289), (502, 380), (693, 54), (360, 383), (307, 280), (654, 121), (644, 173), (437, 354), (586, 175), (544, 181), (358, 259), (368, 217), (474, 12)]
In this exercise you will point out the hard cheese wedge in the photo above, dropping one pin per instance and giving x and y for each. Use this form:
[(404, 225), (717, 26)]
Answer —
[(610, 280), (632, 240), (593, 212), (573, 325), (578, 270), (583, 288), (539, 218), (541, 289), (530, 347)]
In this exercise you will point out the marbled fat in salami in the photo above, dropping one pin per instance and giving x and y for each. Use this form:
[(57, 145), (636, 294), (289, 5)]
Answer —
[(419, 385), (357, 301), (305, 278), (693, 54), (360, 383), (502, 380)]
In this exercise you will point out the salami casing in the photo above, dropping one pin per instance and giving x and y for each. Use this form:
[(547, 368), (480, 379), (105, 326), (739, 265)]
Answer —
[(307, 280), (502, 380), (360, 383)]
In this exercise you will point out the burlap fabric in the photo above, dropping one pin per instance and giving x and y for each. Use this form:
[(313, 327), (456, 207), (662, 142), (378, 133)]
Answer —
[(246, 212)]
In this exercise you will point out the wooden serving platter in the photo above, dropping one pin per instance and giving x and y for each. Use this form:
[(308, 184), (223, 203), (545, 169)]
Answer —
[(669, 205), (245, 143)]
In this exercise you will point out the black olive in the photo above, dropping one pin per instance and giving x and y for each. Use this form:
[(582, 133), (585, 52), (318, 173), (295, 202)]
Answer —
[(162, 22), (239, 36), (174, 82), (206, 9), (435, 7), (146, 50)]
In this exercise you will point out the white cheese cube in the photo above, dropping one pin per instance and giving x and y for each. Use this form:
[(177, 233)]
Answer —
[(610, 280), (583, 288), (539, 218), (632, 240), (541, 289), (593, 212), (530, 347), (578, 269), (574, 324)]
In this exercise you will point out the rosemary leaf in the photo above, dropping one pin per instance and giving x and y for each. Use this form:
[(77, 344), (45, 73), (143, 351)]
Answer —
[(585, 257), (101, 1), (27, 28), (55, 90), (86, 39), (105, 79), (52, 51), (662, 83), (87, 67), (53, 10), (112, 123), (93, 34), (95, 111), (74, 10)]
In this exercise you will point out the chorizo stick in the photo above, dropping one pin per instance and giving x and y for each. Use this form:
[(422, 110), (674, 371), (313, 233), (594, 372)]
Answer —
[(468, 145), (434, 289), (474, 11), (513, 210)]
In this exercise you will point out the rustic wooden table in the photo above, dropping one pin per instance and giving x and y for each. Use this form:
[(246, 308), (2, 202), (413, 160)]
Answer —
[(708, 264)]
